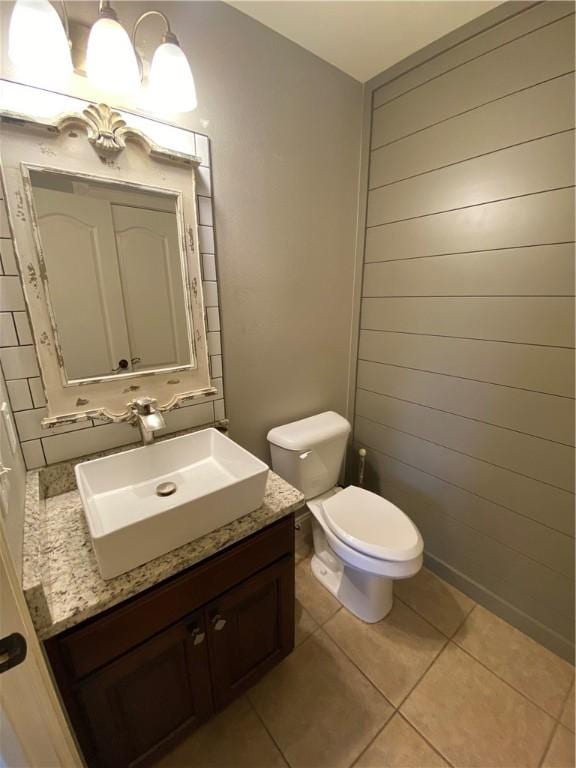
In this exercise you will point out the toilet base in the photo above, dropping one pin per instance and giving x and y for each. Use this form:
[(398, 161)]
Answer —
[(368, 596)]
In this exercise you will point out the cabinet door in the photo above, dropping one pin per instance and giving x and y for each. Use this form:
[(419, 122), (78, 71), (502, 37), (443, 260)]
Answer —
[(250, 628), (144, 699)]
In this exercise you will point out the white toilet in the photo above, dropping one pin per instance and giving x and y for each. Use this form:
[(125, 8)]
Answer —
[(362, 542)]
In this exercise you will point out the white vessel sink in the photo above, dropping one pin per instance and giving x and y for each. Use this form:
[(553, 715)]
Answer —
[(216, 482)]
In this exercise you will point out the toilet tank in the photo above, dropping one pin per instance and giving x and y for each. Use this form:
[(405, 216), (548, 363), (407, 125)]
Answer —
[(309, 453)]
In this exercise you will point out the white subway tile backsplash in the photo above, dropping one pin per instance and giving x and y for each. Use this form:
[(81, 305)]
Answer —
[(210, 292), (23, 328), (33, 454), (214, 345), (216, 366), (206, 238), (73, 444), (218, 386), (11, 295), (203, 148), (204, 184), (209, 266), (30, 426), (37, 391), (4, 226), (205, 211), (219, 412), (19, 394), (28, 423), (8, 257), (8, 336), (188, 417), (213, 317), (19, 362)]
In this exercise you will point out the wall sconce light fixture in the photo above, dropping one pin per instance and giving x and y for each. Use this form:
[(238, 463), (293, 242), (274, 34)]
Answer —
[(171, 81), (38, 41), (111, 63), (39, 44)]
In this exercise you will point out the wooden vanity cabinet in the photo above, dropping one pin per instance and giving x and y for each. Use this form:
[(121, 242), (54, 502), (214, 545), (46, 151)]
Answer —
[(250, 630), (139, 677), (151, 693)]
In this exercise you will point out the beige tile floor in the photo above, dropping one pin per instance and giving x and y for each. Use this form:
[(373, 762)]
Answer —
[(439, 682)]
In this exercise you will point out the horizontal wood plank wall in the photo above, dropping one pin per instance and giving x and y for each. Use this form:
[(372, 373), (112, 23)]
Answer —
[(465, 383)]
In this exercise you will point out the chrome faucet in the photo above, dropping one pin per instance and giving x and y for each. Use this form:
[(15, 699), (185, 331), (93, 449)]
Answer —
[(147, 417)]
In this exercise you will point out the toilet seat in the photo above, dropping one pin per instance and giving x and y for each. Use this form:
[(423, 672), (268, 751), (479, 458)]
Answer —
[(352, 557), (372, 525)]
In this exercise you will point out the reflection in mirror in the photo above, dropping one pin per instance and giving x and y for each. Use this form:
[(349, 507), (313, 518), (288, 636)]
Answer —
[(116, 279)]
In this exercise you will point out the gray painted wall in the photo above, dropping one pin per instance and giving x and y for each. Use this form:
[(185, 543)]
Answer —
[(285, 128), (465, 376)]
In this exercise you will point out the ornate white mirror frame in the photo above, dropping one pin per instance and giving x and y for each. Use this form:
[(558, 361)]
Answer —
[(98, 144)]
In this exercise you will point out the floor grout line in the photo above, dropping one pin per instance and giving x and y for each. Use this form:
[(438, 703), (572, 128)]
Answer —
[(557, 725), (365, 676), (556, 721), (509, 685), (466, 617), (371, 741), (449, 641), (548, 744), (354, 664), (421, 615), (263, 724), (396, 708), (571, 694), (367, 747), (425, 738), (428, 668)]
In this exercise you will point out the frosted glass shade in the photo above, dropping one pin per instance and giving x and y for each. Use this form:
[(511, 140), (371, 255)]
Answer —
[(110, 59), (172, 85), (37, 43)]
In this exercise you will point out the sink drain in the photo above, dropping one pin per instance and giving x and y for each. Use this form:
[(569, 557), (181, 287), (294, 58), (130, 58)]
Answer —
[(165, 489)]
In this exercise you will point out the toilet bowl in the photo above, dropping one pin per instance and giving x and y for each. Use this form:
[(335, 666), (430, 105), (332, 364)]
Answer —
[(362, 542)]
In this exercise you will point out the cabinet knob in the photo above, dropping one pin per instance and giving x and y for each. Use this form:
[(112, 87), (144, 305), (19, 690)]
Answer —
[(197, 635), (218, 623)]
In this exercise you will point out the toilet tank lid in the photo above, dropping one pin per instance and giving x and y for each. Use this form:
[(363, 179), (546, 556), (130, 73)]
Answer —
[(305, 433)]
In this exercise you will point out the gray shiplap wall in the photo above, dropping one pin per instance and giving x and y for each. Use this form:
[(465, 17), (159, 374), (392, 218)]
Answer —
[(465, 377)]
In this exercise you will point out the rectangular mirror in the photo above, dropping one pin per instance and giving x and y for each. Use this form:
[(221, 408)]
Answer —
[(128, 313), (105, 224)]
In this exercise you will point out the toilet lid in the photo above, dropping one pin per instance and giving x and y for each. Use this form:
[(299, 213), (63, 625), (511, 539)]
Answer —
[(372, 525)]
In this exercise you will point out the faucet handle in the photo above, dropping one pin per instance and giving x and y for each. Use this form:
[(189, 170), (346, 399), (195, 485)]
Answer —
[(144, 406)]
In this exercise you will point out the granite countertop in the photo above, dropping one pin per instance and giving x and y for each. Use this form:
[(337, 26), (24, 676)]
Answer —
[(61, 580)]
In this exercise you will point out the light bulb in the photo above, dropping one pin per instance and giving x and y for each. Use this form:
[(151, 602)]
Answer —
[(110, 59), (171, 81), (37, 42)]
